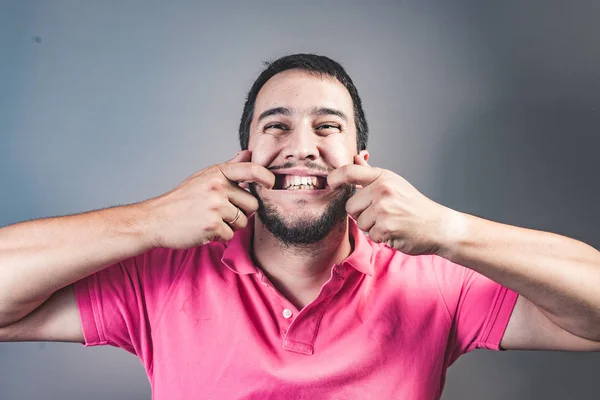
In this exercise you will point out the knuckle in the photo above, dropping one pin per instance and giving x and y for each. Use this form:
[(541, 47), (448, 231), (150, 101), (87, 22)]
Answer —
[(362, 225), (255, 170), (216, 207), (386, 189), (212, 226), (375, 235), (215, 184), (227, 234), (377, 231)]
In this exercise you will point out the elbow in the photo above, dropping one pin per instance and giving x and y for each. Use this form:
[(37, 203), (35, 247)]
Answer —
[(8, 316), (11, 312)]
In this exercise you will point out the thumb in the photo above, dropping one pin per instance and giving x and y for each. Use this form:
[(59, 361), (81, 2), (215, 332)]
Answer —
[(241, 156)]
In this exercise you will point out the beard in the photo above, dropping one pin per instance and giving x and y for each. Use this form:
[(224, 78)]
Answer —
[(310, 229)]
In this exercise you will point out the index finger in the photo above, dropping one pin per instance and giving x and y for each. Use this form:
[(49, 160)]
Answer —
[(248, 172), (353, 174)]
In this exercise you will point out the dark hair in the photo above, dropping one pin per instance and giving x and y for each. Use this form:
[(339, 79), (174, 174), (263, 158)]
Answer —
[(315, 64)]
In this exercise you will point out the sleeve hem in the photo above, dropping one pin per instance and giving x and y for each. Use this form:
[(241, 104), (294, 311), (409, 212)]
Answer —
[(91, 324), (499, 319)]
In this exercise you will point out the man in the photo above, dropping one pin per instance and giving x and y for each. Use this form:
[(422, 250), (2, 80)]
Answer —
[(296, 302)]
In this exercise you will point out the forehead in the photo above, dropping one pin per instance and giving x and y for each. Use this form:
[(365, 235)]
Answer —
[(303, 91)]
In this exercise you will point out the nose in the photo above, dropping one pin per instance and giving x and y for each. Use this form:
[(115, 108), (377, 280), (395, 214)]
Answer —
[(301, 144)]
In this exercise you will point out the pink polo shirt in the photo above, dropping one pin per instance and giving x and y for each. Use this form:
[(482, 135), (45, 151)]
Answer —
[(207, 324)]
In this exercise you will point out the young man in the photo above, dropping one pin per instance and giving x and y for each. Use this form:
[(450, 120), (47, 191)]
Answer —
[(295, 301)]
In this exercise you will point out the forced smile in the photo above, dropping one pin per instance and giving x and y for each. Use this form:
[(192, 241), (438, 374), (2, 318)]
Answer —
[(299, 182)]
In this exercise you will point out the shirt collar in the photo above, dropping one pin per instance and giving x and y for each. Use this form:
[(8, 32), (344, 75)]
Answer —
[(237, 255), (362, 256)]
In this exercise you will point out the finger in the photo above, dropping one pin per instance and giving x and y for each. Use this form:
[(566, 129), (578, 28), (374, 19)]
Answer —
[(234, 217), (353, 174), (358, 203), (248, 172), (241, 156), (367, 219), (242, 199), (360, 160), (222, 233), (379, 232)]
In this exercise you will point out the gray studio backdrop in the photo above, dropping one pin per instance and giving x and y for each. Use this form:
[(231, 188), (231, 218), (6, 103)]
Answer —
[(492, 108)]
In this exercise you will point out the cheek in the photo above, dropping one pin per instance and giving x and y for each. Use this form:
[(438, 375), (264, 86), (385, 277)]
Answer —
[(338, 151), (263, 150)]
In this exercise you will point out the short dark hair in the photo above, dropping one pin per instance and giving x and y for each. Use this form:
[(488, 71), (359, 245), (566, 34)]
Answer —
[(315, 64)]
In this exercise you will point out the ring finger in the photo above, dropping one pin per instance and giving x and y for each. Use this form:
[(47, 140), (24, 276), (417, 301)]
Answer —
[(234, 217)]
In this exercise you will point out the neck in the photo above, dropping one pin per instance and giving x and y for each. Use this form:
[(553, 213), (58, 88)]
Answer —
[(299, 271)]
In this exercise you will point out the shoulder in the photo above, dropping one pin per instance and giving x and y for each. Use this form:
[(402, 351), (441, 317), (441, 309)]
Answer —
[(163, 266), (411, 274), (387, 260)]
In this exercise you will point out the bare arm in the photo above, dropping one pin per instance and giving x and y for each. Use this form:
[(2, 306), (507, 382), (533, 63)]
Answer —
[(56, 320), (43, 257), (37, 258), (557, 278)]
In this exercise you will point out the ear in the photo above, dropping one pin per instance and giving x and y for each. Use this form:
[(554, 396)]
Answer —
[(363, 155)]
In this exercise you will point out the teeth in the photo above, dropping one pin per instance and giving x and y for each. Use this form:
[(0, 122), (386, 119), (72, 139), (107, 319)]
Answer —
[(292, 182)]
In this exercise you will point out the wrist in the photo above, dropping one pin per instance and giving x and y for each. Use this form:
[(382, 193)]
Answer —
[(455, 229), (144, 223)]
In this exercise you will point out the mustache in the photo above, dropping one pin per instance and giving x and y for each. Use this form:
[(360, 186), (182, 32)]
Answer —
[(313, 166)]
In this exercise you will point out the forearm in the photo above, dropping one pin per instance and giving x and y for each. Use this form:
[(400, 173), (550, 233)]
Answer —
[(558, 274), (40, 257)]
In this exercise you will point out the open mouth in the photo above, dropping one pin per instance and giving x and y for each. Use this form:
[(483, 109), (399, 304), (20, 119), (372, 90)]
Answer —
[(297, 182)]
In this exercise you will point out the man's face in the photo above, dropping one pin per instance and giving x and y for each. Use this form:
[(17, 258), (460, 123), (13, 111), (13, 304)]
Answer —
[(303, 128)]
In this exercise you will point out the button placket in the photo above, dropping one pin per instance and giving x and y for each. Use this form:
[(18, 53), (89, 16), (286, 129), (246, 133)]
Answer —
[(279, 305), (299, 328)]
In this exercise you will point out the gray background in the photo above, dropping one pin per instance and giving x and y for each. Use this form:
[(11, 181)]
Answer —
[(492, 108)]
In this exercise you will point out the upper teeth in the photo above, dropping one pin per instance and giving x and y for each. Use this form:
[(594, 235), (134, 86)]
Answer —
[(293, 180)]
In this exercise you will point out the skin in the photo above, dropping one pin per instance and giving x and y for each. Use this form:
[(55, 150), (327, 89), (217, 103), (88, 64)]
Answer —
[(557, 278), (302, 138)]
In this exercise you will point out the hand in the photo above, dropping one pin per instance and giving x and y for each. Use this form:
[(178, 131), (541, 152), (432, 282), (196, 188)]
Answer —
[(198, 210), (391, 210)]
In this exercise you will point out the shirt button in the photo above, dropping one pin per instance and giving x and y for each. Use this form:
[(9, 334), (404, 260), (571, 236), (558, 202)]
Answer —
[(287, 313)]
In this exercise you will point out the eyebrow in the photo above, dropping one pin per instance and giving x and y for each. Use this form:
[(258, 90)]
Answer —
[(329, 111), (275, 111), (315, 111)]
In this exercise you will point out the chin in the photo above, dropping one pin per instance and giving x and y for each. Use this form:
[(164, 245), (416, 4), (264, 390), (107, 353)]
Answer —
[(303, 226), (300, 217)]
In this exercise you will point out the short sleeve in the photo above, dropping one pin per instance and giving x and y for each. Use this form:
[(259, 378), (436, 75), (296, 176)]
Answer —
[(479, 307), (117, 305)]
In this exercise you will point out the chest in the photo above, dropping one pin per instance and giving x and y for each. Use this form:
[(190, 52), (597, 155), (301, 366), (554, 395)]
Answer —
[(253, 343)]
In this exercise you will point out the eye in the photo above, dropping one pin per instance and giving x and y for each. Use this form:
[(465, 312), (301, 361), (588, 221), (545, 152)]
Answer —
[(329, 128), (275, 128)]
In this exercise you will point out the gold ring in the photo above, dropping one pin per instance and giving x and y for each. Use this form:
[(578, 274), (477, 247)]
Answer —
[(236, 217)]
